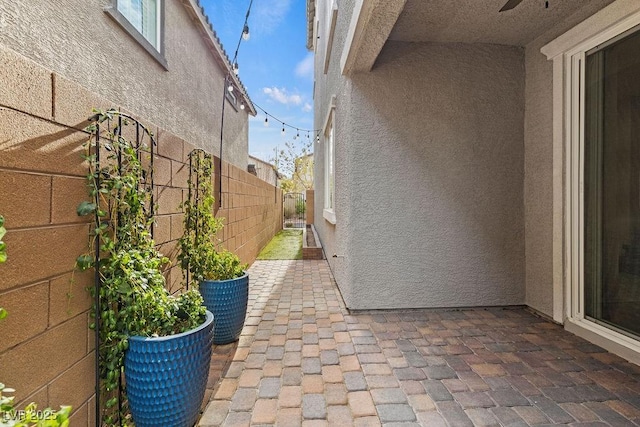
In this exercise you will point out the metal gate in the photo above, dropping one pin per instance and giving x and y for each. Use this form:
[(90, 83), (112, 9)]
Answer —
[(294, 210)]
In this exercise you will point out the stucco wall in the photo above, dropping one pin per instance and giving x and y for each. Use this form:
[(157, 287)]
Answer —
[(78, 40), (333, 237), (436, 177), (429, 173), (538, 158), (46, 348)]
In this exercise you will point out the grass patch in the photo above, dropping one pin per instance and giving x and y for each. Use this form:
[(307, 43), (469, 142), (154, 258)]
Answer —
[(287, 244)]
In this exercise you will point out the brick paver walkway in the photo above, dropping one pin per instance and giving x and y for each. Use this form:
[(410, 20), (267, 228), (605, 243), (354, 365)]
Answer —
[(303, 360)]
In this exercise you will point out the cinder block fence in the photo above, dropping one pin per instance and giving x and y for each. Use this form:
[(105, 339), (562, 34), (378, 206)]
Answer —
[(46, 347)]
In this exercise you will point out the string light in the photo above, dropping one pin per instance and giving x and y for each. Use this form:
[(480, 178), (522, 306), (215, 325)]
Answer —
[(284, 124), (228, 79), (316, 132)]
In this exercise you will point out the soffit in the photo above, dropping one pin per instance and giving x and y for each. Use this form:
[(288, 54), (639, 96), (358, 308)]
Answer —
[(478, 21)]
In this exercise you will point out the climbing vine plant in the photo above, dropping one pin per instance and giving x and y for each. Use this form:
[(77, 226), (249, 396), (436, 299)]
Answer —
[(200, 252), (130, 294)]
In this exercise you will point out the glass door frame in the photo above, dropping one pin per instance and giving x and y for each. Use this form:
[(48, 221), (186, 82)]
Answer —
[(568, 53), (569, 66)]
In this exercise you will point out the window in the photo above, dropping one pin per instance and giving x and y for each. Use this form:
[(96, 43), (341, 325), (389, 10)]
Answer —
[(144, 15), (143, 20), (329, 165)]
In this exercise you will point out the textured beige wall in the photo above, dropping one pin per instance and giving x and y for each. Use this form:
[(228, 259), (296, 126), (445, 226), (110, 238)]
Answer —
[(78, 40), (538, 162), (436, 177), (46, 349), (429, 173)]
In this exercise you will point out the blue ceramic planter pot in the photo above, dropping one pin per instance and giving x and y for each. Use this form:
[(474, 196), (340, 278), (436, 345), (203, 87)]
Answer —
[(227, 300), (166, 377)]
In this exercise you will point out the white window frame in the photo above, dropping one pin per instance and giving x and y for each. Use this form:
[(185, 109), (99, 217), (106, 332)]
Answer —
[(330, 29), (568, 53), (157, 50), (329, 132)]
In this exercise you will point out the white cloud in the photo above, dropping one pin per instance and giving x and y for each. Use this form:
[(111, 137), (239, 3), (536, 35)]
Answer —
[(281, 96), (304, 68), (269, 14), (307, 107)]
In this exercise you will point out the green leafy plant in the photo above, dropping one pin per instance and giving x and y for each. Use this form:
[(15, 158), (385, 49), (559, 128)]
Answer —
[(30, 416), (133, 297), (200, 252), (301, 207)]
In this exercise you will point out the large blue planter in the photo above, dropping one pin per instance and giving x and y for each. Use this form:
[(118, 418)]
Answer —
[(227, 300), (166, 377)]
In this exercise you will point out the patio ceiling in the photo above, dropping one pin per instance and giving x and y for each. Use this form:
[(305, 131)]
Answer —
[(474, 21)]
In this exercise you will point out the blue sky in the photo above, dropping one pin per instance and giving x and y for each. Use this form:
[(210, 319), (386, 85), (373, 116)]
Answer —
[(275, 65)]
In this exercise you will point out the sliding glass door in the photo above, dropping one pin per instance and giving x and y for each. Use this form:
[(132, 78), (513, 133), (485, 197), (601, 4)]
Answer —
[(611, 236)]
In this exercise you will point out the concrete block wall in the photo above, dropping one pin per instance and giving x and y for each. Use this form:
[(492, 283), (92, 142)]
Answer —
[(46, 347)]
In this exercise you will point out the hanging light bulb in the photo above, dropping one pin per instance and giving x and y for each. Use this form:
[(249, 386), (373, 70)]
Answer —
[(298, 133), (245, 32), (242, 105), (236, 70), (283, 129), (230, 88), (266, 122)]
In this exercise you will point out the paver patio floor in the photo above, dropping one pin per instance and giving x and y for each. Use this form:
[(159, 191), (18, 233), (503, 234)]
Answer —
[(302, 360)]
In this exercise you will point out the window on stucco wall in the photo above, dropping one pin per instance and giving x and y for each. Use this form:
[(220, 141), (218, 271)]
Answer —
[(329, 169), (143, 20), (144, 15)]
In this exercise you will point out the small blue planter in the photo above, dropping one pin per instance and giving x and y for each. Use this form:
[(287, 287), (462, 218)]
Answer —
[(166, 377), (227, 300)]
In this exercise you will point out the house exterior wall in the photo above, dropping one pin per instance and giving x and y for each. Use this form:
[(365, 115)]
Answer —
[(264, 170), (429, 173), (78, 40), (538, 165), (439, 200), (46, 350), (333, 236)]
